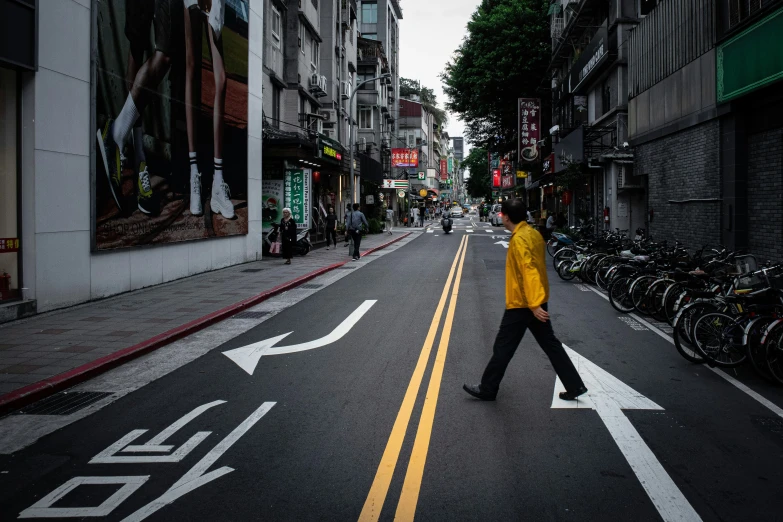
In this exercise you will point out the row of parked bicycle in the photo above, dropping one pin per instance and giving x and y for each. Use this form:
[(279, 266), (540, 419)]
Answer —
[(723, 308)]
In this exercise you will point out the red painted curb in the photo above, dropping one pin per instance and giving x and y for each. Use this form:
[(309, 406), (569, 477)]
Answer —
[(33, 392)]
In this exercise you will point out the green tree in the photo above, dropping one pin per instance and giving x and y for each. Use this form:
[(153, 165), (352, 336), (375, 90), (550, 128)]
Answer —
[(504, 57), (478, 184)]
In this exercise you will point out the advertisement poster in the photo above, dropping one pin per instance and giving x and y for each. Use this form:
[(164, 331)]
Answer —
[(272, 196), (297, 196), (405, 158), (529, 129), (171, 121)]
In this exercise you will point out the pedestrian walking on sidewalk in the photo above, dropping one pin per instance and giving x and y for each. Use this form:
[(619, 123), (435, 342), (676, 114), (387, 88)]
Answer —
[(389, 220), (355, 229), (348, 238), (421, 216), (288, 235), (331, 228), (527, 293)]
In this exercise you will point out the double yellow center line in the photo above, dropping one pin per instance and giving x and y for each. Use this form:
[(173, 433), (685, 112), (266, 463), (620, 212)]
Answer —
[(406, 507)]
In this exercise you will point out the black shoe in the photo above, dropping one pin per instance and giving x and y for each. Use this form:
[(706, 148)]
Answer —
[(568, 396), (475, 390)]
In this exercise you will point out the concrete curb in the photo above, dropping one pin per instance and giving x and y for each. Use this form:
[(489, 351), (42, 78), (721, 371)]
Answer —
[(36, 391)]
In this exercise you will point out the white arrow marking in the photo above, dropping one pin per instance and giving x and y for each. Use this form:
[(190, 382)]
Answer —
[(247, 357), (609, 396), (504, 243)]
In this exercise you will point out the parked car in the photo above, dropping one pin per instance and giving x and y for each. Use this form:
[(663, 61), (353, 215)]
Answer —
[(456, 212), (495, 216)]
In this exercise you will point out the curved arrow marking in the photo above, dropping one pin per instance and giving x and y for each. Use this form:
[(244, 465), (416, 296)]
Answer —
[(247, 357)]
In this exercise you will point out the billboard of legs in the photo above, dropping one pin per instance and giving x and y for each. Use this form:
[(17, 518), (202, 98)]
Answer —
[(171, 114)]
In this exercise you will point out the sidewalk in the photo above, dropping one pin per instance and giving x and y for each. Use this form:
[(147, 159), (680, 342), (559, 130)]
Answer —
[(52, 351)]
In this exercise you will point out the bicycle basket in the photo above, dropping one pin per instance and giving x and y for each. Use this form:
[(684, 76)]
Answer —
[(746, 264)]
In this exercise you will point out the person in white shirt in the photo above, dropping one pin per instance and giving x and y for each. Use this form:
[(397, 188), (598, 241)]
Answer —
[(550, 225), (389, 220)]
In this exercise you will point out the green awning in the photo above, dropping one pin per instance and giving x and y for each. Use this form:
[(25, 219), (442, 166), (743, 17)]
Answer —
[(554, 9)]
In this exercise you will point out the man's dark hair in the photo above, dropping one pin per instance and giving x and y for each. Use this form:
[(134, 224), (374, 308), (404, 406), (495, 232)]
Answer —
[(356, 206), (515, 209)]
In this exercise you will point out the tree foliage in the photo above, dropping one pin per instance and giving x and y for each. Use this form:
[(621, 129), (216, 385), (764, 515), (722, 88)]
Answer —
[(478, 184), (503, 57), (426, 96)]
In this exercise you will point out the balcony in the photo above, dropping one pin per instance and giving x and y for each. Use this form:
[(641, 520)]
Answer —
[(557, 26), (273, 58)]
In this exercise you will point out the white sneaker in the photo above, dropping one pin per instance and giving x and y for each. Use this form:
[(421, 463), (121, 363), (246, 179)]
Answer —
[(221, 201), (196, 207)]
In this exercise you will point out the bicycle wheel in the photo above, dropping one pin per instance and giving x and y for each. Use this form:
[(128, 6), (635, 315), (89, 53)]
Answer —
[(602, 272), (757, 351), (670, 298), (565, 270), (774, 353), (551, 247), (655, 294), (619, 297), (638, 291), (718, 337), (562, 255), (681, 324)]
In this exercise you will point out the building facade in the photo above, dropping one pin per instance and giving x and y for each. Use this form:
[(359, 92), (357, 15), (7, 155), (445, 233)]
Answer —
[(75, 230), (705, 115)]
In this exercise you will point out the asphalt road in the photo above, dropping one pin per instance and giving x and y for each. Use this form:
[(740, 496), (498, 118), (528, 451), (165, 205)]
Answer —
[(372, 423)]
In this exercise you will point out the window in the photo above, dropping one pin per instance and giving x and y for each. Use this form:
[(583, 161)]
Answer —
[(369, 13), (277, 92), (276, 27), (365, 118), (370, 36), (362, 76), (606, 97), (302, 36), (315, 49)]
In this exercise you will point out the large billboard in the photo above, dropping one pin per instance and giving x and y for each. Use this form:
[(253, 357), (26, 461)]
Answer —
[(405, 158), (171, 121)]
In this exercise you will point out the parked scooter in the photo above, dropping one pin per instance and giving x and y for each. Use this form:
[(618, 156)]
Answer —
[(446, 224), (302, 246)]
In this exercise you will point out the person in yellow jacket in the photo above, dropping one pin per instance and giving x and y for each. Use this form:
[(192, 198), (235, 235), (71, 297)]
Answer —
[(527, 294)]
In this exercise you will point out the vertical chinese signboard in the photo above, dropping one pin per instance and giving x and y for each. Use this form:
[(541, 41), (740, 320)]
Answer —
[(443, 172), (529, 129), (297, 196), (405, 158)]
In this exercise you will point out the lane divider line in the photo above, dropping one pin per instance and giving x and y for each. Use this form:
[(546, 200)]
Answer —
[(406, 507), (731, 380), (373, 505)]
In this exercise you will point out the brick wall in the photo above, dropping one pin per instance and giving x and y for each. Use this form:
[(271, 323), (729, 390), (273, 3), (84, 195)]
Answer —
[(765, 195), (681, 166)]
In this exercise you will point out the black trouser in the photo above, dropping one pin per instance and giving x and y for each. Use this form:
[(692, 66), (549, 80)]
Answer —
[(357, 240), (331, 234), (512, 329)]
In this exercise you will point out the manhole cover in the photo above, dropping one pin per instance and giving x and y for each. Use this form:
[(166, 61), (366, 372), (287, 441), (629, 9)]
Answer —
[(63, 403), (251, 270), (250, 315), (311, 286)]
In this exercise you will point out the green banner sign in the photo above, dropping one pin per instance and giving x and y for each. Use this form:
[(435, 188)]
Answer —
[(297, 196)]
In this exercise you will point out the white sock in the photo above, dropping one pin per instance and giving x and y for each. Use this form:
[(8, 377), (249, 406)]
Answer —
[(193, 165), (138, 145), (124, 122), (218, 179)]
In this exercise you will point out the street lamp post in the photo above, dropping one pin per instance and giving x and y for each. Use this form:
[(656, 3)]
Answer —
[(350, 127)]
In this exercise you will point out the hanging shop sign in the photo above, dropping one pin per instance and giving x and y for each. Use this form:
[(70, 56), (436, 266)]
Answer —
[(529, 131), (297, 196), (593, 56), (395, 184), (400, 193), (496, 178), (548, 166), (9, 244), (422, 175), (444, 174), (330, 152), (405, 158), (451, 165), (422, 193), (506, 182), (521, 174)]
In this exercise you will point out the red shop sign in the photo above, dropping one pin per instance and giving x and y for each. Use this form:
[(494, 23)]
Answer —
[(9, 244)]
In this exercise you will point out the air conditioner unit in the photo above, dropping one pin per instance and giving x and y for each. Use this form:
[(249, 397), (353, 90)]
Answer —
[(330, 133), (625, 180), (345, 90), (314, 79), (330, 115)]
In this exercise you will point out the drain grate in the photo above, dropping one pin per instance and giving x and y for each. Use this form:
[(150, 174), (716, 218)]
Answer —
[(63, 403), (346, 267), (311, 286), (251, 270), (250, 315)]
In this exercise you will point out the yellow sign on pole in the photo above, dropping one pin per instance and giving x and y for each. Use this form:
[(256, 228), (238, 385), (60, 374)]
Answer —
[(422, 193), (521, 174)]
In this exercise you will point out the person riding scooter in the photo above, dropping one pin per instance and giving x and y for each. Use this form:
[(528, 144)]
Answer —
[(446, 224)]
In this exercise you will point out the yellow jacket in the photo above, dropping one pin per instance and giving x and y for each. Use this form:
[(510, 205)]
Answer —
[(527, 285)]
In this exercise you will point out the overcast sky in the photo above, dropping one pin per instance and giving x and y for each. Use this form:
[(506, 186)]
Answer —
[(430, 31)]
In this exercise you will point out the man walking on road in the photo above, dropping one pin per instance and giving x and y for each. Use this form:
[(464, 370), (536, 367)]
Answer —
[(527, 293), (355, 220)]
